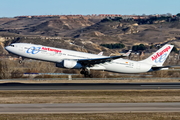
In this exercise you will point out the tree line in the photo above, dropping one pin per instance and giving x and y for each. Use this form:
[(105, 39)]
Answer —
[(113, 46), (149, 20), (135, 48)]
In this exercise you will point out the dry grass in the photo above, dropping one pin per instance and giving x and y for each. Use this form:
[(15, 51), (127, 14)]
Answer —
[(134, 80), (86, 96), (95, 116)]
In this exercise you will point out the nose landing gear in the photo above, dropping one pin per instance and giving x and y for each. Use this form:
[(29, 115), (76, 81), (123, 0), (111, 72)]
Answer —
[(21, 60)]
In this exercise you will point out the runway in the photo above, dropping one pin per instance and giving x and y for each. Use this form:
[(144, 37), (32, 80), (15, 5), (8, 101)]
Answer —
[(87, 86), (89, 107)]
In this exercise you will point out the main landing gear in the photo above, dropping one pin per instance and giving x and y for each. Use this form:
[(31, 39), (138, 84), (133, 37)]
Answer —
[(86, 72)]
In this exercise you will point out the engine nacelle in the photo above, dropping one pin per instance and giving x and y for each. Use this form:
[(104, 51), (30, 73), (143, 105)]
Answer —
[(69, 64)]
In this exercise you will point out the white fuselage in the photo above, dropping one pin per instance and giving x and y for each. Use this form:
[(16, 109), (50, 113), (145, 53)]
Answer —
[(57, 55)]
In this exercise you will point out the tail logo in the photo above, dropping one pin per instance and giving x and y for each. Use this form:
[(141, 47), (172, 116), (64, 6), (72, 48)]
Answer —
[(161, 55), (162, 58)]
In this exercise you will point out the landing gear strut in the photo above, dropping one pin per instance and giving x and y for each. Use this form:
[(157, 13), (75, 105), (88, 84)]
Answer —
[(86, 72), (20, 60)]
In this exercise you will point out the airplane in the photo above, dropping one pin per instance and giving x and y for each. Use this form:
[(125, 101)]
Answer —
[(101, 53), (128, 53), (125, 54), (70, 59)]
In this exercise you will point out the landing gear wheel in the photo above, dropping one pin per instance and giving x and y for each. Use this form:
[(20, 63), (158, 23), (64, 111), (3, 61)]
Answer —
[(82, 72), (86, 73), (90, 75), (20, 61)]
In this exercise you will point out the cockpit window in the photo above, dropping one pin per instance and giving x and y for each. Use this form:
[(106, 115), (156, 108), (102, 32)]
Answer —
[(12, 45)]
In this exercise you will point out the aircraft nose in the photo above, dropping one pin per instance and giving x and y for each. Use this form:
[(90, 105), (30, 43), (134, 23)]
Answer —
[(7, 48)]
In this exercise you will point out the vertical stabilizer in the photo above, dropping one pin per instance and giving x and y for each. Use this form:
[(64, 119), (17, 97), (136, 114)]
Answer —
[(159, 57)]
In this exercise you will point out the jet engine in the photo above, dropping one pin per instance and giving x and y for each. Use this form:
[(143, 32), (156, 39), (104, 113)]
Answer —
[(69, 64)]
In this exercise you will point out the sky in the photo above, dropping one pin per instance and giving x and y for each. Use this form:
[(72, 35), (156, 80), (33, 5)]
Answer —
[(12, 8)]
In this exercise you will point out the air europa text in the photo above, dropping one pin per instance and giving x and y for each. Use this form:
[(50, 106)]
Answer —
[(51, 49), (160, 53)]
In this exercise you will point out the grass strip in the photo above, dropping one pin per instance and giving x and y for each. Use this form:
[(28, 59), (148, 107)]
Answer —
[(93, 116), (134, 80), (89, 96)]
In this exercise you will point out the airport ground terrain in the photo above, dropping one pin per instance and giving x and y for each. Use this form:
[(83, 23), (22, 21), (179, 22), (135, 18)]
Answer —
[(94, 96), (91, 80), (90, 96), (95, 116)]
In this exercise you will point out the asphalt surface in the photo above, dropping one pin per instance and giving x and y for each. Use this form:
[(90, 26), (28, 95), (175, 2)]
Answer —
[(87, 86), (89, 107)]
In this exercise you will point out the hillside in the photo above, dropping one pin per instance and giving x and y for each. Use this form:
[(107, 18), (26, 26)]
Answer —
[(87, 33)]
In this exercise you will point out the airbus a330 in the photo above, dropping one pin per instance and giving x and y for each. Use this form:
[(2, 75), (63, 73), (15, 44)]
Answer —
[(70, 59)]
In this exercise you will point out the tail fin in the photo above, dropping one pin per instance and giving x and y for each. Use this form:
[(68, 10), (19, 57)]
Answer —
[(159, 57)]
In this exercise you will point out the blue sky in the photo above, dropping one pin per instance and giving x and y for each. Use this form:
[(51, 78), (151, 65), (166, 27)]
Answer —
[(11, 8)]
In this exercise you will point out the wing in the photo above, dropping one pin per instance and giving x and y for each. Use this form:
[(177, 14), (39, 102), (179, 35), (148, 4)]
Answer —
[(93, 61)]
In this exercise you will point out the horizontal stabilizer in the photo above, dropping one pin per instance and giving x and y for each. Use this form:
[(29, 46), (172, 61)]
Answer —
[(162, 67)]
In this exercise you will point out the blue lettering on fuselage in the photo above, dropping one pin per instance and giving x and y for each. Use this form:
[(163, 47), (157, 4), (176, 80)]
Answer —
[(33, 50)]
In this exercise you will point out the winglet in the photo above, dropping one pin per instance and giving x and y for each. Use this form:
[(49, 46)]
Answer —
[(101, 53), (127, 54)]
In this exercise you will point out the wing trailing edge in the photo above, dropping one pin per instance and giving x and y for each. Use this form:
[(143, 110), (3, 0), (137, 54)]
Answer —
[(93, 61)]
